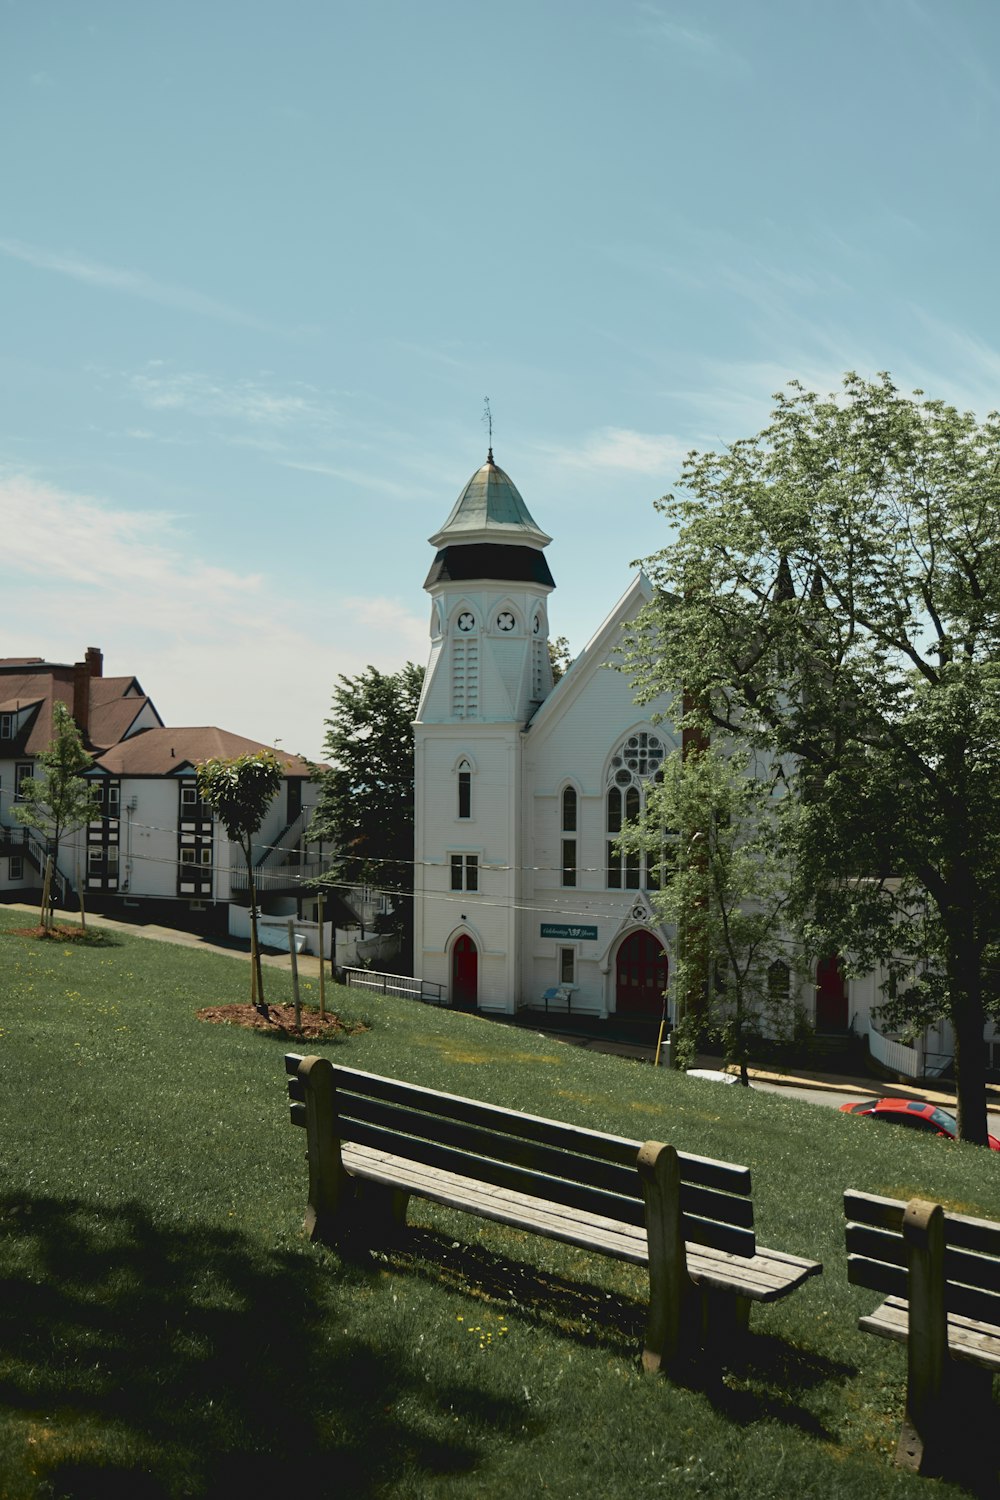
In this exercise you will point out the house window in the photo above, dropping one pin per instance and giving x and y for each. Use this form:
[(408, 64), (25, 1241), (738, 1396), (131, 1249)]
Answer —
[(191, 804), (15, 867), (205, 853), (22, 773), (6, 726), (95, 862), (567, 966), (465, 790), (465, 872), (569, 844), (779, 979)]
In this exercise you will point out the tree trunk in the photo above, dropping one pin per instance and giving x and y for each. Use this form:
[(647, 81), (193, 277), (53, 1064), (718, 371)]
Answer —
[(258, 973), (963, 965), (43, 914), (969, 1021)]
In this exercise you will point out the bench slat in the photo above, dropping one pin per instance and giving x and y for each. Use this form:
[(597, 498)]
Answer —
[(961, 1266), (961, 1230), (879, 1276), (969, 1340), (406, 1130), (762, 1277)]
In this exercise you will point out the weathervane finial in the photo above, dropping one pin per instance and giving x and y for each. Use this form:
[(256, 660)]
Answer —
[(488, 422)]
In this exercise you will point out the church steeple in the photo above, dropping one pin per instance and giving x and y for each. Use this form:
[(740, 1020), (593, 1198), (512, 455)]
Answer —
[(490, 509), (489, 624)]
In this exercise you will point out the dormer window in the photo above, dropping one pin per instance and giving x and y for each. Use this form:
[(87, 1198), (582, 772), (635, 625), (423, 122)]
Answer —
[(6, 726)]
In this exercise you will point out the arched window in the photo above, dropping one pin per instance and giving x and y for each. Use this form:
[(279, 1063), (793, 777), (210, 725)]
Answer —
[(569, 805), (779, 980), (636, 761), (464, 789)]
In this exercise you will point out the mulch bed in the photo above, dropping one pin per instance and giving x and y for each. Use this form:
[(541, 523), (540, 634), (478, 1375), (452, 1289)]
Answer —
[(282, 1021), (58, 934)]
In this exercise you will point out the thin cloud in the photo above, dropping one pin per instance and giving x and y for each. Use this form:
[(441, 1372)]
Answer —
[(209, 644), (623, 449), (130, 283), (679, 36), (248, 401)]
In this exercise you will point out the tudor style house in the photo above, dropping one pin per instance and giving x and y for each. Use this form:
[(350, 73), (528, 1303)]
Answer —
[(155, 849), (522, 784)]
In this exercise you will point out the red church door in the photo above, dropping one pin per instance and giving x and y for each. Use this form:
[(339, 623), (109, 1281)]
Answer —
[(640, 975), (831, 996), (464, 974)]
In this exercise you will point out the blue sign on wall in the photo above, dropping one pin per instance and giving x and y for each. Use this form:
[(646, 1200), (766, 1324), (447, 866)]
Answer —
[(560, 930)]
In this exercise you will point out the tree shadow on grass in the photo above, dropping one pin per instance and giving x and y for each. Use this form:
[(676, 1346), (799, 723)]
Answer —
[(758, 1377), (151, 1362)]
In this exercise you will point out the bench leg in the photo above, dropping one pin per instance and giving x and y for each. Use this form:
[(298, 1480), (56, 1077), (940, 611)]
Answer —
[(725, 1322), (672, 1304), (329, 1183), (379, 1213), (948, 1402)]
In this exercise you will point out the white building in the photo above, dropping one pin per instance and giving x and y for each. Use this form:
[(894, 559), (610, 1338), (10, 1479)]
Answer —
[(154, 851), (521, 786)]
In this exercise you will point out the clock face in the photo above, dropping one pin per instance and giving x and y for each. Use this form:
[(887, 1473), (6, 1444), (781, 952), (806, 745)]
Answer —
[(505, 620), (466, 620), (536, 624)]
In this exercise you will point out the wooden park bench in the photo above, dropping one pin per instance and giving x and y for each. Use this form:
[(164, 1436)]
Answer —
[(942, 1275), (374, 1142)]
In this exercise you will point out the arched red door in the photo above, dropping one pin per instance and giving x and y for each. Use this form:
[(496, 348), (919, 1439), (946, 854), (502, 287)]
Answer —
[(831, 995), (640, 975), (464, 974)]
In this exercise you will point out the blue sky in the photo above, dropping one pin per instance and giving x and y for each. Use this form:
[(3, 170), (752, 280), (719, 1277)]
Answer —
[(260, 264)]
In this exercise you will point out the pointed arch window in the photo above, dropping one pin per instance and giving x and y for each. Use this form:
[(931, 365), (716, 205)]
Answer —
[(637, 761), (569, 817), (779, 980), (464, 789)]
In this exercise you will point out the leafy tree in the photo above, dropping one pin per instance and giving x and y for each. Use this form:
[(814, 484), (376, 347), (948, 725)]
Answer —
[(240, 791), (365, 803), (60, 800), (559, 656), (725, 887), (833, 596)]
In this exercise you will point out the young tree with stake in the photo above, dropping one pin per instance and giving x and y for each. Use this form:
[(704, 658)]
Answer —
[(60, 800), (240, 791)]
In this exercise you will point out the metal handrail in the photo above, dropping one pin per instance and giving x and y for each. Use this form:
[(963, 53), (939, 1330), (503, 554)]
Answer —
[(403, 986)]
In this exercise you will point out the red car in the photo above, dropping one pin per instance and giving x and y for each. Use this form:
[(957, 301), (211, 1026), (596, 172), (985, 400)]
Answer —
[(914, 1114)]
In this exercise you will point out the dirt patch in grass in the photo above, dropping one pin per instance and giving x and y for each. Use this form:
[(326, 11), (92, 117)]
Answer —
[(74, 934), (280, 1021)]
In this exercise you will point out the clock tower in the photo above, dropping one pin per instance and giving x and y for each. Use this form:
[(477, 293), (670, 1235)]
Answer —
[(488, 673)]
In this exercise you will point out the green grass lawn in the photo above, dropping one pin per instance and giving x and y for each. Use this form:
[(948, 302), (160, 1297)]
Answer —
[(165, 1330)]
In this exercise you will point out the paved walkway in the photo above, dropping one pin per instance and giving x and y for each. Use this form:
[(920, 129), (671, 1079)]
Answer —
[(850, 1087)]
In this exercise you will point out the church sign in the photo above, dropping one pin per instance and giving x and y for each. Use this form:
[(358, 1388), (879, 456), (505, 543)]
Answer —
[(560, 930)]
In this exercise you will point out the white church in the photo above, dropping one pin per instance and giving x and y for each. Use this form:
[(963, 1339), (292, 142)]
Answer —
[(522, 785)]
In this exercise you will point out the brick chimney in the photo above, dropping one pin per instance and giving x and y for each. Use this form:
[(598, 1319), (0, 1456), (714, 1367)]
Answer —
[(81, 696), (95, 661)]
